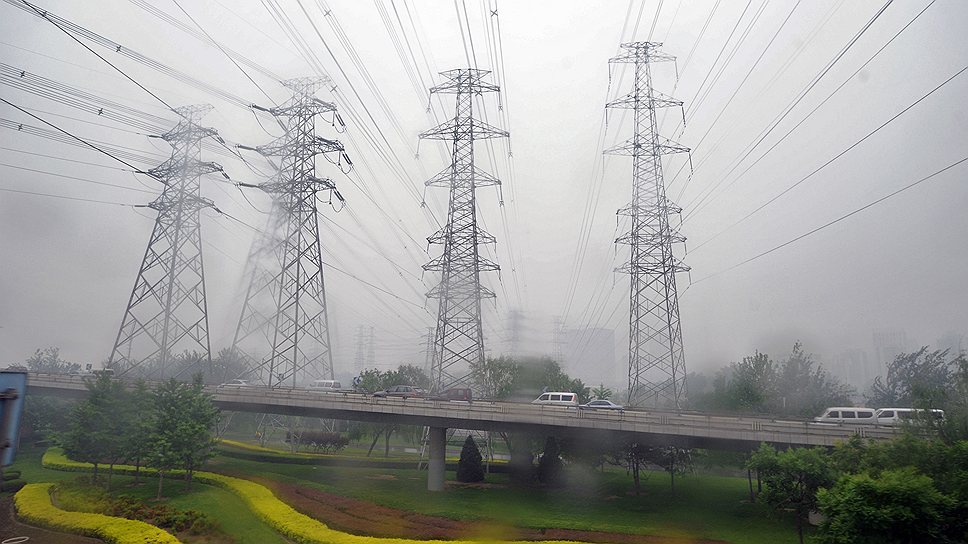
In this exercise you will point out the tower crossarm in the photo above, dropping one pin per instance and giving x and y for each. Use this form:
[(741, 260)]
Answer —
[(462, 172), (177, 167), (657, 100), (282, 146), (634, 146), (469, 129), (464, 80), (641, 52)]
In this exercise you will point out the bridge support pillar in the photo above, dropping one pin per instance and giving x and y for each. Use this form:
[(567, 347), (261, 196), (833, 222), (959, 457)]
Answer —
[(438, 453)]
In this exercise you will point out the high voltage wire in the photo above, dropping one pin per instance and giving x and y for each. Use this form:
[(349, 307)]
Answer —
[(809, 114), (832, 159), (71, 135), (803, 93), (835, 221)]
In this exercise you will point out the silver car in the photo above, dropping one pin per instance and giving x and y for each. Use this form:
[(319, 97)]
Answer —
[(601, 404)]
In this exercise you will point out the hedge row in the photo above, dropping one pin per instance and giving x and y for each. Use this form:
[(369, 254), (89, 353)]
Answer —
[(34, 506), (275, 513)]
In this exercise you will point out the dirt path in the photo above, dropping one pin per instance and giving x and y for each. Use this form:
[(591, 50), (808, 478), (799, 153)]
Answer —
[(10, 527), (366, 518)]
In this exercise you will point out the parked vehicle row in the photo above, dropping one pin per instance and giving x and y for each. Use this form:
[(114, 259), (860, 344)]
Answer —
[(881, 416)]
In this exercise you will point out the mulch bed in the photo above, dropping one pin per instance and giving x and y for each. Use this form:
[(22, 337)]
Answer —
[(365, 518), (10, 527)]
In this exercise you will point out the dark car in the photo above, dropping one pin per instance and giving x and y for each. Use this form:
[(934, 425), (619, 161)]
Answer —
[(458, 394), (404, 391)]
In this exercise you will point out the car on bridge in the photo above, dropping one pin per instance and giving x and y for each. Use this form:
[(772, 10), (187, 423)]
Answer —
[(454, 394), (601, 404), (402, 391), (850, 415), (235, 384)]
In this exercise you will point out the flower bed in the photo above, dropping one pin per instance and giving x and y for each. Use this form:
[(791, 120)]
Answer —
[(34, 506)]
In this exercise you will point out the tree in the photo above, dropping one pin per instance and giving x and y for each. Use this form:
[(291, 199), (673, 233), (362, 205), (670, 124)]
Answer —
[(197, 430), (411, 375), (803, 388), (470, 467), (897, 506), (550, 467), (228, 365), (494, 378), (85, 438), (140, 422), (748, 385), (912, 379), (96, 433), (602, 392), (672, 459), (48, 360), (792, 478), (163, 454), (183, 433)]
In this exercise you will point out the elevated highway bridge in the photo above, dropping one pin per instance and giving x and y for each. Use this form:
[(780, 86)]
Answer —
[(680, 428)]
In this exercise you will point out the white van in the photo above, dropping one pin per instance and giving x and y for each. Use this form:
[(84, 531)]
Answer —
[(557, 398), (847, 414), (898, 416), (326, 386)]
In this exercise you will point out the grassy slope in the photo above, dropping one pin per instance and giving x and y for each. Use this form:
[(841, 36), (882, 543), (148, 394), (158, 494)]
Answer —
[(703, 506), (219, 504)]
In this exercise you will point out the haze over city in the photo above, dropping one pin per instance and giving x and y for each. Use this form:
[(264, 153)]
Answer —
[(759, 122)]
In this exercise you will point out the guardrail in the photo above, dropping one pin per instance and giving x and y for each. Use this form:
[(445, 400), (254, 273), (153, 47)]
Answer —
[(474, 414)]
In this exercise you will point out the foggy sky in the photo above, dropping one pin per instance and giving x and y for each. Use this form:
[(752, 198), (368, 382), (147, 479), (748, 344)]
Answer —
[(67, 267)]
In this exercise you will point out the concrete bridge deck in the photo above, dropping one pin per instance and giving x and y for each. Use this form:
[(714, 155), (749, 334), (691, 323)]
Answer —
[(683, 428)]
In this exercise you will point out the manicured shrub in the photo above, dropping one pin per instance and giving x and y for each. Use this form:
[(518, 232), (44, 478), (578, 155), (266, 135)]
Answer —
[(550, 469), (33, 506), (470, 467), (12, 485)]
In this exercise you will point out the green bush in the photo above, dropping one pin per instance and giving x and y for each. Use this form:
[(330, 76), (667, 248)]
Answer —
[(34, 506), (897, 506), (12, 485), (470, 467), (11, 475)]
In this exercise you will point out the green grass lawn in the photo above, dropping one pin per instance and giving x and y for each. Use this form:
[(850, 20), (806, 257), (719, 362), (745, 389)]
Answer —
[(702, 507), (232, 516)]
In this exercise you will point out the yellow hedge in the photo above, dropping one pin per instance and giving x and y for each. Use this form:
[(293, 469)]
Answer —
[(34, 506), (275, 513)]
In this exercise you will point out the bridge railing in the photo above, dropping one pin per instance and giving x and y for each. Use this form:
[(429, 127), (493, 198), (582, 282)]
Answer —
[(649, 421)]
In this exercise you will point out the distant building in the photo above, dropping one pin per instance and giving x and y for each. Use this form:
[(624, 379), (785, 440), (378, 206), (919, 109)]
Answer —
[(856, 368), (954, 342), (589, 354), (888, 344)]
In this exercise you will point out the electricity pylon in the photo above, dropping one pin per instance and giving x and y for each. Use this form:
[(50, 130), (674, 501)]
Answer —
[(657, 368), (459, 336), (167, 313), (283, 330)]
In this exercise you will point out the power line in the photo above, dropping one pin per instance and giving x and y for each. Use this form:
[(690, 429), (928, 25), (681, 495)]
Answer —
[(835, 221), (834, 158), (81, 140)]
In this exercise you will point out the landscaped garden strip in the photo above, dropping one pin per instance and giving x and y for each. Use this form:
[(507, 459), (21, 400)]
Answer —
[(34, 506)]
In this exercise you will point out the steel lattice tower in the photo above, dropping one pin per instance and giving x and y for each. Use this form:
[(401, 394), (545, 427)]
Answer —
[(656, 361), (167, 311), (284, 313), (459, 336)]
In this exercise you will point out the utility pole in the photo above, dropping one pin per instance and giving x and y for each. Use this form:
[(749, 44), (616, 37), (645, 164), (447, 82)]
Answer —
[(459, 336), (284, 314), (657, 370), (167, 312)]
